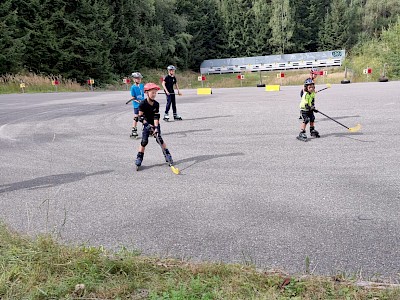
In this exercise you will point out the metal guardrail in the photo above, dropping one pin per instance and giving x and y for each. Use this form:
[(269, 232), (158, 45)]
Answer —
[(273, 62)]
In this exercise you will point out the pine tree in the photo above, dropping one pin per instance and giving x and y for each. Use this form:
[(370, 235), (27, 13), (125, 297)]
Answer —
[(261, 32), (335, 34), (86, 40), (173, 26), (309, 16), (11, 45), (282, 26), (41, 48), (134, 27), (229, 14), (205, 31)]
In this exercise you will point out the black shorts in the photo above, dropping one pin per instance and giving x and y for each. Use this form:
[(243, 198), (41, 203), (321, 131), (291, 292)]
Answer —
[(307, 115)]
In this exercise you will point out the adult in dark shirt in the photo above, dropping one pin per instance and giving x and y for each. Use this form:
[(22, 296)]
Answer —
[(149, 115), (168, 84)]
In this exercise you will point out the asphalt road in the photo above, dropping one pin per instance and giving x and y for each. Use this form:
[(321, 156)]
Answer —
[(248, 192)]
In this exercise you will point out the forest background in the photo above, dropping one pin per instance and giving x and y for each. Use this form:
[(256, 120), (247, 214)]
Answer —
[(109, 39)]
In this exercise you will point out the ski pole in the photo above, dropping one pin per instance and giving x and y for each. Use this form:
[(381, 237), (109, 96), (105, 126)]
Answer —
[(327, 87), (351, 129), (163, 93), (129, 101)]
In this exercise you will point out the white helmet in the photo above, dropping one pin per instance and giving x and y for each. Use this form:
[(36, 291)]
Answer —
[(137, 75), (171, 67)]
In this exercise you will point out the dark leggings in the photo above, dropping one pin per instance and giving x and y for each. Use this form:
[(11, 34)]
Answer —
[(146, 133), (307, 116), (171, 99)]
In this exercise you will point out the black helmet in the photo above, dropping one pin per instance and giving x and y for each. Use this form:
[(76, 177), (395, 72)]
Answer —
[(308, 82)]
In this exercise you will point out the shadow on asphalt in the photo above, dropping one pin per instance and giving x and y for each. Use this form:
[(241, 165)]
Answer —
[(185, 133), (349, 135), (48, 181), (337, 118), (144, 167), (206, 118), (195, 159), (202, 158)]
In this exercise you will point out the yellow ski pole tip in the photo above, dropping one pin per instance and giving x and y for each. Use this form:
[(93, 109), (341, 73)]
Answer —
[(328, 85), (175, 170), (355, 128)]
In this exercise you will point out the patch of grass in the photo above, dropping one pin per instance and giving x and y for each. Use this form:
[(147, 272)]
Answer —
[(44, 269), (186, 80), (34, 83)]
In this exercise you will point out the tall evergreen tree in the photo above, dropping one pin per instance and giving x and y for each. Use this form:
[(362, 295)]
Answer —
[(205, 30), (354, 21), (11, 45), (335, 34), (41, 48), (231, 20), (238, 19), (261, 33), (282, 26), (133, 24), (309, 16), (86, 40), (173, 26)]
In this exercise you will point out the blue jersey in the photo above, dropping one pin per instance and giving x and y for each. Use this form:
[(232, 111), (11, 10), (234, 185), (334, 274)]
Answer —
[(138, 93)]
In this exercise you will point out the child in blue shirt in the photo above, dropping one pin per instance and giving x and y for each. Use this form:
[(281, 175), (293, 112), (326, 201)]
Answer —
[(137, 93)]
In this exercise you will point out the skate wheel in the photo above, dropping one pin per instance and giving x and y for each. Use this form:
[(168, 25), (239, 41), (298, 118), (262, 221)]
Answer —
[(303, 140)]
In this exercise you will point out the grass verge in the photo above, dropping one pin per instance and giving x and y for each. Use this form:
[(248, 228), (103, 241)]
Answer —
[(44, 269), (10, 84), (186, 80)]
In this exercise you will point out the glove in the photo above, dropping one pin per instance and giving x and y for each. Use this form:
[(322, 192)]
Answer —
[(156, 130), (316, 110), (148, 127), (313, 109)]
